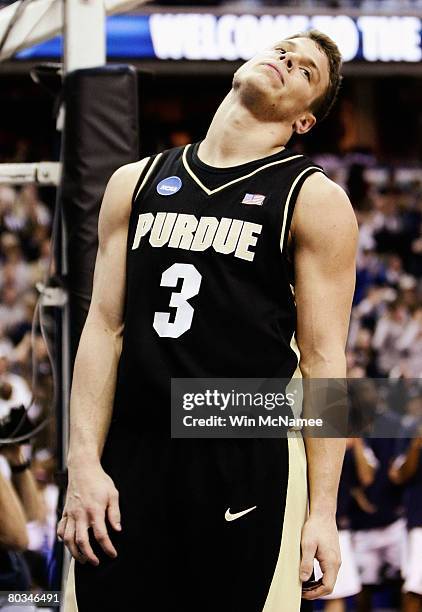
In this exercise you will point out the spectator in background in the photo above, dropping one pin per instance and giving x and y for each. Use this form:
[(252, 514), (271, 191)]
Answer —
[(15, 269), (356, 471), (16, 334), (7, 201), (23, 480), (370, 272), (410, 344), (25, 230), (35, 224), (14, 573), (369, 310), (361, 355), (412, 417), (36, 212), (38, 250), (12, 311), (13, 534), (388, 331), (393, 270), (42, 533), (415, 256), (407, 471), (26, 211), (408, 292), (377, 523), (14, 390), (375, 509), (20, 502), (388, 223)]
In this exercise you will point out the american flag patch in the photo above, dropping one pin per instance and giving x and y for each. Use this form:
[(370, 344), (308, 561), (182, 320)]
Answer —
[(253, 198)]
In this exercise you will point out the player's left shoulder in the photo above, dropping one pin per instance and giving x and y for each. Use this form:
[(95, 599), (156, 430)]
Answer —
[(319, 190), (323, 206)]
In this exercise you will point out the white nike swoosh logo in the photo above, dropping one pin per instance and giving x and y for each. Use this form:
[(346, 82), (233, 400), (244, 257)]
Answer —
[(232, 517)]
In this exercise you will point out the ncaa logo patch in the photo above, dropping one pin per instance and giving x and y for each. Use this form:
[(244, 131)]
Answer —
[(255, 199), (169, 186)]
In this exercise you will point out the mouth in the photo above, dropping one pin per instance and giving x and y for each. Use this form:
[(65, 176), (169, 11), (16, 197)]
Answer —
[(275, 69)]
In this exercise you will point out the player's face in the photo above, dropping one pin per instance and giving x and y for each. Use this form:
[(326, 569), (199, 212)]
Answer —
[(282, 82)]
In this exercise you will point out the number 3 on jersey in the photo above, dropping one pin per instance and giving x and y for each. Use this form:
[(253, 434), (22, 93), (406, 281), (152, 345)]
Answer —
[(179, 300)]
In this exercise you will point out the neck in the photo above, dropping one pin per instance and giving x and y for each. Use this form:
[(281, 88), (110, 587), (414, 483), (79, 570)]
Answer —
[(237, 136)]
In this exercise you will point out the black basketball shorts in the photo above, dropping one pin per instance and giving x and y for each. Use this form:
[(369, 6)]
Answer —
[(207, 526)]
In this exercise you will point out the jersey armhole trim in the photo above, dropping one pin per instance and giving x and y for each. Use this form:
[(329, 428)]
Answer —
[(145, 174), (283, 237)]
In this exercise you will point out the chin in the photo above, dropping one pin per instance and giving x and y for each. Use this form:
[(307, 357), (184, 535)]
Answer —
[(255, 91)]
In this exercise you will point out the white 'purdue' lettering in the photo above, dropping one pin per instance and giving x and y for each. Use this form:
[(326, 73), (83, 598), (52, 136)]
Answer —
[(246, 240), (182, 231), (227, 235), (182, 234), (145, 222), (204, 234), (161, 230)]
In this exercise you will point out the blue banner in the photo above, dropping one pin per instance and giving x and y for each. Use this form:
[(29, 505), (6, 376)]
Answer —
[(207, 37)]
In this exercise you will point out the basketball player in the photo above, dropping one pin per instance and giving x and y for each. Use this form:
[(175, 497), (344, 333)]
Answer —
[(204, 271)]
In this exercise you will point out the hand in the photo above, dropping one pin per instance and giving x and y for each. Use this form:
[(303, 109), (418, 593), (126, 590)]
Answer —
[(13, 454), (91, 495), (320, 541), (352, 442), (418, 440)]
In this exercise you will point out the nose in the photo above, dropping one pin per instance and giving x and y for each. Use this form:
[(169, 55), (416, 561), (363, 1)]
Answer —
[(288, 61)]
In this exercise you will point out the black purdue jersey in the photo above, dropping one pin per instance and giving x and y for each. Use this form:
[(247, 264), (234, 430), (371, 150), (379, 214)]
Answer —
[(209, 287), (207, 524)]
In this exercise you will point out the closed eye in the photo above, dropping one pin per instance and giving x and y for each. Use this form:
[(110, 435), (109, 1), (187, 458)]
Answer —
[(306, 73)]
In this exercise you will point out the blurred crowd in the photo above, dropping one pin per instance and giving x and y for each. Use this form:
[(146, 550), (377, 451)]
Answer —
[(380, 498), (28, 495), (385, 336)]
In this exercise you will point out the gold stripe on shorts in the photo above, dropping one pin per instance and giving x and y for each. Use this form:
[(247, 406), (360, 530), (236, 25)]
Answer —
[(286, 589)]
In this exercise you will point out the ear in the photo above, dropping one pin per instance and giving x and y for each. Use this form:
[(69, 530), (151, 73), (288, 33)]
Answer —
[(304, 123)]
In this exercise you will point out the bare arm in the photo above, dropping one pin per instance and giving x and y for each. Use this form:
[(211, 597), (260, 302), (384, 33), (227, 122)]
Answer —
[(30, 496), (95, 371), (25, 484), (406, 471), (365, 470), (325, 232), (91, 494), (13, 534)]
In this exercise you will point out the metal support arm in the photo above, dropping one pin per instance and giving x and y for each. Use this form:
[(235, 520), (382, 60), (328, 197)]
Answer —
[(42, 173), (44, 19)]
